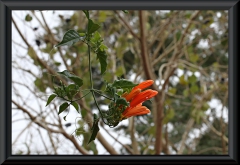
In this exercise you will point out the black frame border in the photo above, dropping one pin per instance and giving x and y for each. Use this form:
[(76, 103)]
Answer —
[(6, 6)]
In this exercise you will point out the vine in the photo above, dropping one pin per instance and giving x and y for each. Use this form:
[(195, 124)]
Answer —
[(125, 96)]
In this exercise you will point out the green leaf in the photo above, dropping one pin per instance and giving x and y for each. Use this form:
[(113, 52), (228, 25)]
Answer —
[(120, 71), (60, 91), (182, 80), (93, 147), (57, 63), (102, 16), (110, 90), (50, 98), (74, 78), (125, 11), (32, 53), (96, 37), (69, 38), (72, 90), (102, 56), (63, 107), (192, 79), (95, 130), (95, 117), (123, 83), (28, 18), (185, 93), (75, 105), (86, 13), (122, 101), (103, 47), (40, 85), (83, 112), (65, 118), (92, 27), (168, 116), (194, 88), (193, 57), (205, 107), (172, 90), (82, 34)]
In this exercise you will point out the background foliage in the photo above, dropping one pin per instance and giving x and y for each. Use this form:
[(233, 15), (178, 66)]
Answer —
[(184, 52)]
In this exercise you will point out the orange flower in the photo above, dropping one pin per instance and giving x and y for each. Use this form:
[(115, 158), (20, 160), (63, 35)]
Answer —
[(129, 112), (144, 84), (136, 98), (132, 94)]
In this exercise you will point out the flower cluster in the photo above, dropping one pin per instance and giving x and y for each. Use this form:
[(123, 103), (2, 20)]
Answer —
[(136, 97)]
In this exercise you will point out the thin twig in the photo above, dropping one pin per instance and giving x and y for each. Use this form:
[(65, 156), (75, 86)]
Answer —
[(132, 135), (185, 135), (149, 75), (214, 130), (127, 26), (208, 149), (18, 136), (125, 146), (43, 141)]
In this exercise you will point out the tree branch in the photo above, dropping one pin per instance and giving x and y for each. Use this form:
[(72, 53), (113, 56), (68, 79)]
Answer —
[(149, 75), (44, 126), (132, 135), (185, 135), (127, 26), (214, 130), (125, 146)]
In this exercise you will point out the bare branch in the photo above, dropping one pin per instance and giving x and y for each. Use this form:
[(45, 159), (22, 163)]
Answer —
[(208, 149), (18, 136), (124, 145), (214, 130), (185, 135), (127, 26), (24, 39), (43, 141), (132, 134)]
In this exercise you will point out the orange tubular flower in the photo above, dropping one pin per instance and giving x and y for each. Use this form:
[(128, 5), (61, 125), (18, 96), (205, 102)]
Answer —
[(144, 84), (136, 98)]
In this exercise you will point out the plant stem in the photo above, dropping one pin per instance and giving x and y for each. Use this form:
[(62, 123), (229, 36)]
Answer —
[(90, 68), (102, 95), (91, 82), (94, 97), (82, 96)]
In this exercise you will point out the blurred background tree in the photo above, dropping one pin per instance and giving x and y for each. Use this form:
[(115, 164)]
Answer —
[(184, 52)]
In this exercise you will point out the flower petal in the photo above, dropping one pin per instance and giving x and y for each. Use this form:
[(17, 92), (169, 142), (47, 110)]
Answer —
[(139, 105), (144, 84), (142, 110), (143, 96), (126, 110), (132, 94)]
